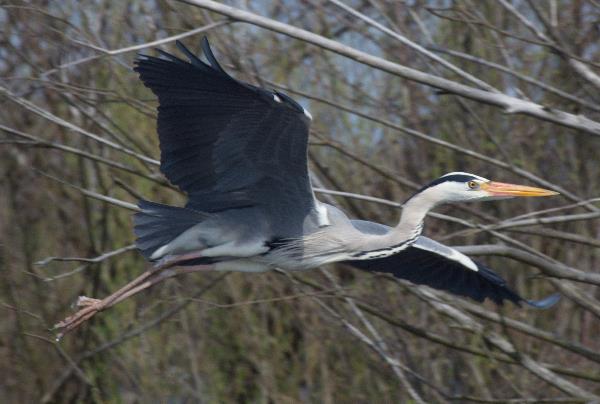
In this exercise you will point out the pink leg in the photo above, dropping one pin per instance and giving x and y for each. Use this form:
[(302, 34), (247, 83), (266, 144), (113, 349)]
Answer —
[(166, 274), (149, 278), (171, 260)]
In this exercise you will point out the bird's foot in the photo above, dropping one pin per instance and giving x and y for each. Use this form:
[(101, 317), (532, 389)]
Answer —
[(84, 301), (89, 307)]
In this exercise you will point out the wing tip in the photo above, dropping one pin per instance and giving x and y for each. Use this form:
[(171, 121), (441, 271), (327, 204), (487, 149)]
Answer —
[(193, 59), (507, 294), (209, 55), (204, 42), (544, 303), (214, 67)]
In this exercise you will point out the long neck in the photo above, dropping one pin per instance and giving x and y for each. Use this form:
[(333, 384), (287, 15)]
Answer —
[(414, 212), (405, 233)]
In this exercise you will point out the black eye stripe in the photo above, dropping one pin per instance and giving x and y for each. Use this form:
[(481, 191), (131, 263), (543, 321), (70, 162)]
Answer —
[(463, 178), (450, 178)]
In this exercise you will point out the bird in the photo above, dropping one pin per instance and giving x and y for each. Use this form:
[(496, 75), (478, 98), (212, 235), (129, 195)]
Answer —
[(239, 153)]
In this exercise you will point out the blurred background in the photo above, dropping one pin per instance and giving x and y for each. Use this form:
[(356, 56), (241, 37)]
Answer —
[(78, 144)]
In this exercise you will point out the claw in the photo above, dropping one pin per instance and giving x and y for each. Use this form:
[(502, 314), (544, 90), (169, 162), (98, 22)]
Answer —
[(89, 307), (84, 301)]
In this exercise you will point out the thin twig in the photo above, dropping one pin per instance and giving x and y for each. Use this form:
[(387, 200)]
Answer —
[(510, 105)]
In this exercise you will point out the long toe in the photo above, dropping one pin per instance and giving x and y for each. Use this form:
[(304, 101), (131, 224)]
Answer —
[(84, 301)]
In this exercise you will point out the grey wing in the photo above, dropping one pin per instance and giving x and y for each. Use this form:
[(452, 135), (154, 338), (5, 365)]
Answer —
[(371, 227), (427, 262), (228, 144)]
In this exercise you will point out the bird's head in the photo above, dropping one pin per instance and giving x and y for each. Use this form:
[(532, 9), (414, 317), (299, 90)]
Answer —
[(464, 187)]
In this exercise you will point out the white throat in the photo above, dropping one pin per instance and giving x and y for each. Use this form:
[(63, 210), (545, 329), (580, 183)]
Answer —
[(415, 210)]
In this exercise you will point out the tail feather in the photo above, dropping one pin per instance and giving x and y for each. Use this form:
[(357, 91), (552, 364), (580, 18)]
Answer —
[(157, 224)]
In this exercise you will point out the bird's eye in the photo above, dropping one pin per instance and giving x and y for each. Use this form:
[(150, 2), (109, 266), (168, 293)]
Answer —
[(472, 184)]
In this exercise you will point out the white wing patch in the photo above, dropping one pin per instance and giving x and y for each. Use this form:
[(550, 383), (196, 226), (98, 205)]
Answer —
[(308, 115), (230, 249), (428, 244), (159, 252), (322, 216)]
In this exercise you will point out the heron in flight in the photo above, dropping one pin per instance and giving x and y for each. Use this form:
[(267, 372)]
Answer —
[(239, 152)]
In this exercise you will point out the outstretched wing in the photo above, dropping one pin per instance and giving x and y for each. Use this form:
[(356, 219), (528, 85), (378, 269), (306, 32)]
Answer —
[(427, 262), (226, 143)]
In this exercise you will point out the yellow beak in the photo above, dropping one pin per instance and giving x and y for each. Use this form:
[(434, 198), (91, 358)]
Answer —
[(503, 189)]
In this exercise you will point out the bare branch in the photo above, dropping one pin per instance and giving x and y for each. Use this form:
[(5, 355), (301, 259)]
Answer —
[(415, 46), (510, 105), (555, 269), (61, 122), (114, 52)]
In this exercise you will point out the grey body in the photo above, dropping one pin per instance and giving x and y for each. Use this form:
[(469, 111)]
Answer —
[(243, 236), (338, 240)]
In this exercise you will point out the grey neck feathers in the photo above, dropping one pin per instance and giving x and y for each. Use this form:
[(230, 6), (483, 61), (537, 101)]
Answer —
[(414, 212), (403, 235)]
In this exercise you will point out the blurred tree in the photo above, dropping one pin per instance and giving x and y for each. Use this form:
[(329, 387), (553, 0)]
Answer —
[(78, 147)]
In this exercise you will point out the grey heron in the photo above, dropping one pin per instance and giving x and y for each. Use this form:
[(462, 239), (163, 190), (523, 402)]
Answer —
[(239, 152)]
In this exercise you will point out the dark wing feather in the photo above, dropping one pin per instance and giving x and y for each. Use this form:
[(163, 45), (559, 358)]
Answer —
[(229, 144), (440, 271)]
